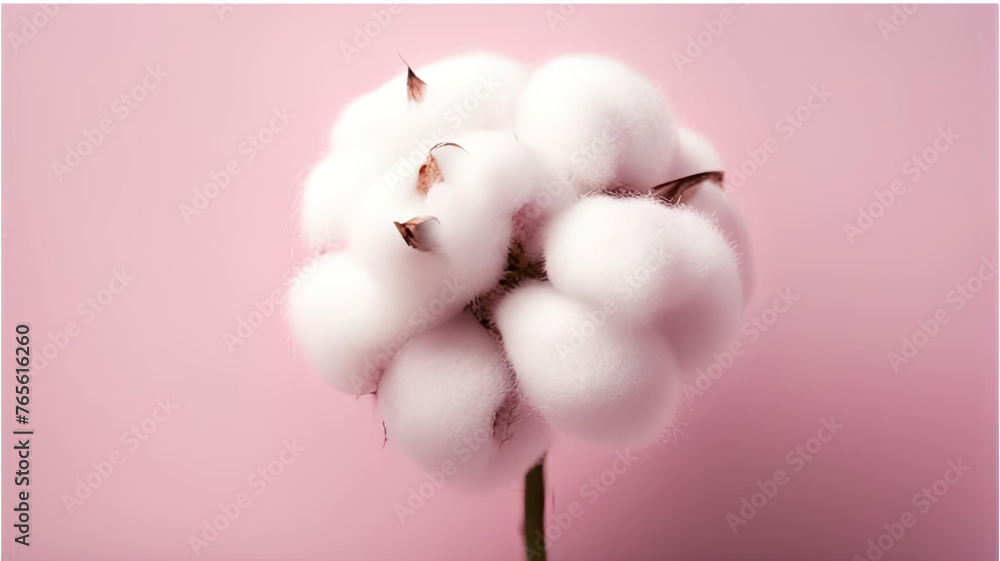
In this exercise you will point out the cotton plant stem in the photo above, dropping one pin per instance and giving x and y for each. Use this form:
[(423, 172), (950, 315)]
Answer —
[(534, 512)]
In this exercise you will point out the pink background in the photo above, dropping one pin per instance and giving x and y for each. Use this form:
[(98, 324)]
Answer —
[(163, 335)]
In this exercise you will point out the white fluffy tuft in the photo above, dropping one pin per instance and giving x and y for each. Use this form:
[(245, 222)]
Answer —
[(463, 93), (439, 399), (710, 199), (705, 323), (346, 321), (644, 257), (599, 124), (593, 377), (329, 194), (695, 154), (482, 188)]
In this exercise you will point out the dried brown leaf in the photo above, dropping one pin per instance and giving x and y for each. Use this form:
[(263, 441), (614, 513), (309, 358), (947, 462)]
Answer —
[(429, 174), (416, 232), (415, 87), (673, 192)]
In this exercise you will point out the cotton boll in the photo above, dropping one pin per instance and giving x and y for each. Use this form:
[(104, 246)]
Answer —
[(471, 91), (643, 256), (370, 229), (471, 229), (710, 199), (346, 321), (428, 286), (367, 119), (500, 178), (706, 323), (695, 154), (329, 193), (667, 268), (439, 399), (588, 373), (498, 172), (522, 437), (483, 188), (463, 93), (599, 123)]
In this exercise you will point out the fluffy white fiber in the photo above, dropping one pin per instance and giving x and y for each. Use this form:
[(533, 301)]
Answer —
[(329, 193), (638, 254), (561, 161), (440, 399), (383, 136), (706, 322), (695, 154), (708, 198), (588, 373), (346, 321), (463, 93), (522, 437), (484, 182), (598, 121)]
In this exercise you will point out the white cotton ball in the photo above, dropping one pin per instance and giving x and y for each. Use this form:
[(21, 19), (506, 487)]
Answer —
[(346, 321), (636, 254), (589, 374), (703, 324), (471, 91), (367, 119), (329, 193), (425, 285), (599, 123), (439, 399), (471, 230), (463, 93), (371, 232), (710, 199), (484, 186), (695, 154), (496, 171), (522, 437), (500, 189)]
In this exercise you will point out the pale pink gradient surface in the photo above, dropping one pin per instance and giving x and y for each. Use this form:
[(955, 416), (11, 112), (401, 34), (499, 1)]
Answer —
[(163, 335)]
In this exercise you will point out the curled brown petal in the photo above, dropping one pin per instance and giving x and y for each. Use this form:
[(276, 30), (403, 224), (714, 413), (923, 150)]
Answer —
[(673, 191), (429, 174), (415, 87), (416, 232)]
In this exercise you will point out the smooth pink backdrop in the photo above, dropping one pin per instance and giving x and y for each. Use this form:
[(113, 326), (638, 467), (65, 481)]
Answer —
[(163, 335)]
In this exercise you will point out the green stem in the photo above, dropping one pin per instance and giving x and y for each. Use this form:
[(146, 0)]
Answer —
[(534, 512)]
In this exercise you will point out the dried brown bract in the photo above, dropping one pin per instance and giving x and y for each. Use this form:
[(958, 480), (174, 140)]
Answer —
[(415, 87), (429, 174), (673, 191), (416, 232)]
